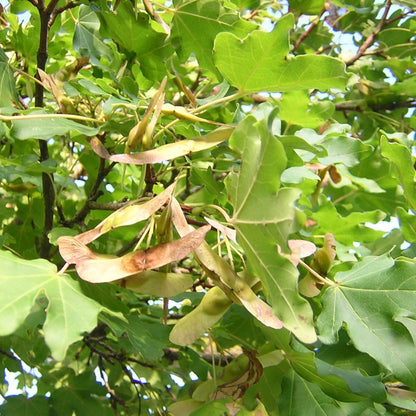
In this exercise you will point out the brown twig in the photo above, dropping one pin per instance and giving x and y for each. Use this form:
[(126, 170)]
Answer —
[(372, 37), (92, 197), (307, 32)]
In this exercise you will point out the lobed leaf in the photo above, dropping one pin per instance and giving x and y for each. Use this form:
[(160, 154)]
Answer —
[(259, 62), (372, 299), (69, 312)]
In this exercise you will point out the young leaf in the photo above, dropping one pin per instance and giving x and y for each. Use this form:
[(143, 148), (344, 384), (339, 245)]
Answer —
[(97, 268), (166, 152), (371, 299)]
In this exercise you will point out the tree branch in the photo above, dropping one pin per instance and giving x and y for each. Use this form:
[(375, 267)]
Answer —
[(47, 179), (92, 197), (372, 37), (379, 107), (307, 32)]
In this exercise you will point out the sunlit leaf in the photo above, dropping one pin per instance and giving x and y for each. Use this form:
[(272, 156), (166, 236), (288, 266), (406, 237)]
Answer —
[(69, 311), (196, 24), (259, 62)]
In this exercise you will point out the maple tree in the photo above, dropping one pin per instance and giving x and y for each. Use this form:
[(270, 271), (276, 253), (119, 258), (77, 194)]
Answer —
[(192, 200)]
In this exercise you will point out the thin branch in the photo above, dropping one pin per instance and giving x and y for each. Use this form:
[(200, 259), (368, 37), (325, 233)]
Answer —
[(47, 179), (8, 354), (379, 107), (400, 16), (60, 10), (307, 32), (372, 37), (93, 195)]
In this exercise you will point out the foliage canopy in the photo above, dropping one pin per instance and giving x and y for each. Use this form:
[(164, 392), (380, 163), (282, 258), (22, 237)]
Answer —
[(189, 193)]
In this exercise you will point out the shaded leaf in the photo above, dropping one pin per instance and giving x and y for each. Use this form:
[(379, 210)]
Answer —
[(87, 39), (369, 299), (97, 268), (137, 35), (299, 394), (69, 311), (258, 62), (168, 151), (8, 91)]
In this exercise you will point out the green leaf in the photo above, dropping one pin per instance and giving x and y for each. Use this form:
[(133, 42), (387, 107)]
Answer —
[(47, 127), (335, 382), (407, 224), (299, 394), (259, 62), (306, 7), (369, 299), (80, 396), (22, 406), (69, 311), (261, 227), (403, 161), (195, 25), (296, 108), (136, 34), (89, 42), (346, 150), (8, 92), (350, 228)]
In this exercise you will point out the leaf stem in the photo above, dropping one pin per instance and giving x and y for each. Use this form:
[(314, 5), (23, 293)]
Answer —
[(43, 116), (322, 279)]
